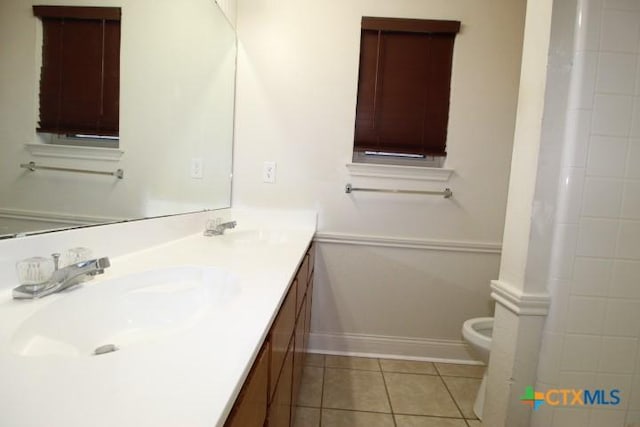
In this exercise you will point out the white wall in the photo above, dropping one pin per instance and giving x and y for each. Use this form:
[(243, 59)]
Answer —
[(296, 95), (229, 8), (592, 335), (176, 103)]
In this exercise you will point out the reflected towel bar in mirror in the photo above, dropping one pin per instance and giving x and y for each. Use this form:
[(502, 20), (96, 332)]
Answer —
[(32, 167), (447, 193)]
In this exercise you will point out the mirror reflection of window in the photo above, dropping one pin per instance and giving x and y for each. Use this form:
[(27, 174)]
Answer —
[(176, 104), (80, 75)]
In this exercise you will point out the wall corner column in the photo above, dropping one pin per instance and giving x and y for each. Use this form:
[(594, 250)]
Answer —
[(521, 302)]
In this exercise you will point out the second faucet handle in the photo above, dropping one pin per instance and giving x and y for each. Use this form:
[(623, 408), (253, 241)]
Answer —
[(56, 261), (76, 255)]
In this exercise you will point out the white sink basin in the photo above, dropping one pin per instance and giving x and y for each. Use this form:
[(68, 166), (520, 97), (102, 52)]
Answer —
[(125, 312)]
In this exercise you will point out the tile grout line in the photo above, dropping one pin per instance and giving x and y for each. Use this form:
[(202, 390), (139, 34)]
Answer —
[(382, 371), (443, 417), (353, 369), (386, 390), (442, 377), (324, 371), (452, 398), (435, 366), (466, 421)]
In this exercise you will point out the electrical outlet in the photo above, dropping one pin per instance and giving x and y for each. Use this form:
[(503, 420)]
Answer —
[(197, 167), (269, 172)]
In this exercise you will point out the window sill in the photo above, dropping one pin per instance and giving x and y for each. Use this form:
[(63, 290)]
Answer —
[(74, 152), (399, 172)]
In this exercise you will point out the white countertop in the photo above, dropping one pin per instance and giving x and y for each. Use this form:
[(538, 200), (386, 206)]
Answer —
[(188, 379)]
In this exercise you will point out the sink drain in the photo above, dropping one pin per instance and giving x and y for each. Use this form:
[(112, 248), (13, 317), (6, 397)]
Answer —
[(107, 348)]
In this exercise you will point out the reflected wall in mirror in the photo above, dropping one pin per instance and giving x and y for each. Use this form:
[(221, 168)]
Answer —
[(177, 84)]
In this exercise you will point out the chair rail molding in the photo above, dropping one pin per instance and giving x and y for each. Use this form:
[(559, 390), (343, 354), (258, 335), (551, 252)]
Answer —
[(407, 242), (519, 302)]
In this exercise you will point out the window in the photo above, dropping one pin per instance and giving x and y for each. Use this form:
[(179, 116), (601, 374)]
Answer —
[(80, 75), (403, 90)]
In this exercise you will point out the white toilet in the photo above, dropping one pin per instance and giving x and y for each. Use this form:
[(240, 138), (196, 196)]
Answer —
[(477, 332)]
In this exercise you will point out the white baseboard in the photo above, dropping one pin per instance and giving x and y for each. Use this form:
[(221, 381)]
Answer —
[(429, 350)]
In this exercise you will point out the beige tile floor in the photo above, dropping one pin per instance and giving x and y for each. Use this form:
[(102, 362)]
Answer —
[(340, 391)]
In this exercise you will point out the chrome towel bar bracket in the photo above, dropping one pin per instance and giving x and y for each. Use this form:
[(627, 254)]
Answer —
[(447, 193)]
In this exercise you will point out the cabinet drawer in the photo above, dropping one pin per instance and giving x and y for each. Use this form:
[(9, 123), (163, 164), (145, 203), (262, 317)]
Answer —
[(250, 409), (281, 333)]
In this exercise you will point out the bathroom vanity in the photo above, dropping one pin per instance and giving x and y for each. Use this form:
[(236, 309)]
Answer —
[(209, 331), (271, 389)]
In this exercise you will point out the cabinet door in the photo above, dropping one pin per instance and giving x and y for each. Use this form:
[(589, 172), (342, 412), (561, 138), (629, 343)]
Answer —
[(307, 320), (298, 352), (281, 333), (280, 409), (250, 409), (312, 260), (302, 278)]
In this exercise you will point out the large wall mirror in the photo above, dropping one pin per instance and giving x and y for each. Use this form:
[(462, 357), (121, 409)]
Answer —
[(177, 84)]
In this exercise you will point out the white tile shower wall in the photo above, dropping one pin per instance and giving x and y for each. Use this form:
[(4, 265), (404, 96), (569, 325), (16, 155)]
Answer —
[(596, 279)]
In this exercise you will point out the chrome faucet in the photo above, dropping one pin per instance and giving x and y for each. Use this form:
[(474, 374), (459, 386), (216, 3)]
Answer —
[(63, 278), (216, 227)]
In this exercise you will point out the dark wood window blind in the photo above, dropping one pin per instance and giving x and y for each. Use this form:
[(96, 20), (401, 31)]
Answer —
[(404, 85), (80, 75)]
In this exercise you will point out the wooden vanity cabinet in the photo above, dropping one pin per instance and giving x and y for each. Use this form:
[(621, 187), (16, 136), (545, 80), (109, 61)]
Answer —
[(269, 394), (280, 408), (280, 336), (312, 261), (302, 281), (307, 317), (251, 405), (298, 351)]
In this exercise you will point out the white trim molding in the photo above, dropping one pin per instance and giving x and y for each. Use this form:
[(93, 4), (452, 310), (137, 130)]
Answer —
[(373, 170), (446, 351), (519, 302), (74, 152), (407, 242)]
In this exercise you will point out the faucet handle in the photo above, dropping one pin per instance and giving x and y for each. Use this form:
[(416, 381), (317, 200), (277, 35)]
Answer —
[(78, 254), (56, 261), (34, 271), (212, 224)]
